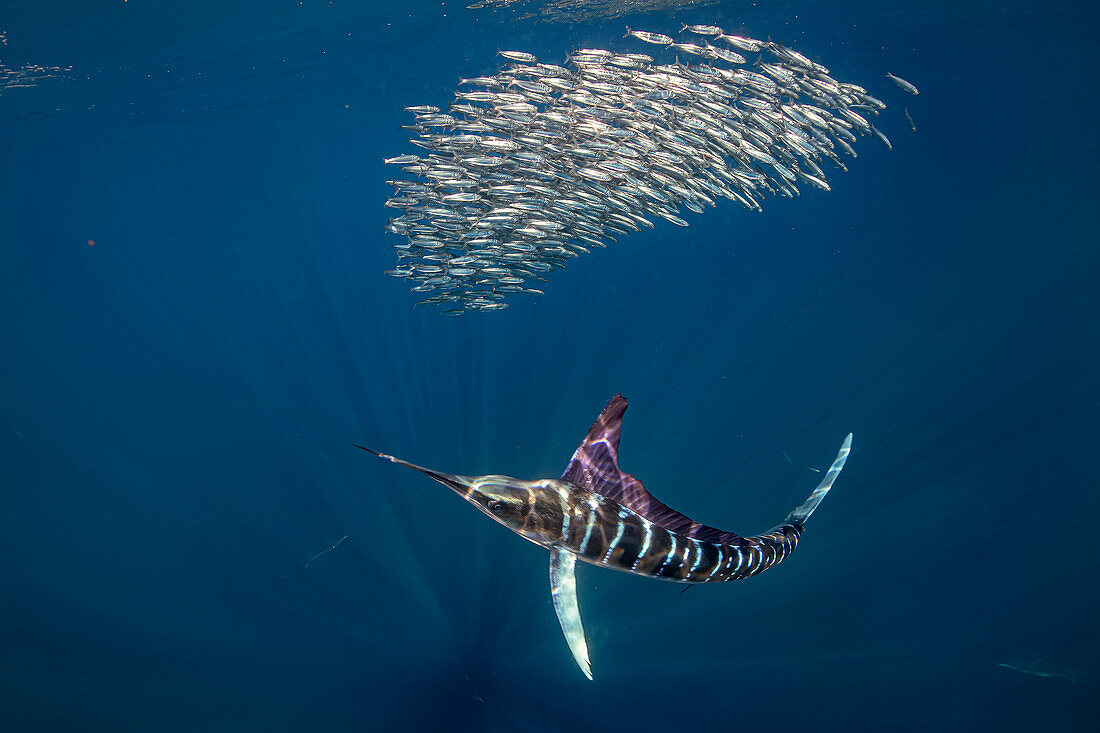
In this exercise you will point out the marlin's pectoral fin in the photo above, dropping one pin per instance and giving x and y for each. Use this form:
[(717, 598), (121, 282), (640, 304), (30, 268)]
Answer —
[(563, 587)]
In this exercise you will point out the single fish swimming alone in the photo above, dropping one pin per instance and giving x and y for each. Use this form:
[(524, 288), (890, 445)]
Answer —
[(907, 86), (605, 517)]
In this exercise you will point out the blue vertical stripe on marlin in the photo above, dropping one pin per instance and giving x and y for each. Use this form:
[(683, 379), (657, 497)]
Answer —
[(599, 514)]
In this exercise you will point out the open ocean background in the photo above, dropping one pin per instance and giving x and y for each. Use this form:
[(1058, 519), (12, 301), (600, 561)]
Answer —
[(178, 402)]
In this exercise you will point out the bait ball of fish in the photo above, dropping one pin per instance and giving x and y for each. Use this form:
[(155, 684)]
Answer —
[(576, 11), (539, 163)]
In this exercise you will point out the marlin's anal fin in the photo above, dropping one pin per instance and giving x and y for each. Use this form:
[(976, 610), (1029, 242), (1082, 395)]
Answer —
[(563, 588)]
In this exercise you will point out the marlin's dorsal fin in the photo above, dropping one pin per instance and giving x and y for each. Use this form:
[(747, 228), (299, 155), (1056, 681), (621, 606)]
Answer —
[(595, 466)]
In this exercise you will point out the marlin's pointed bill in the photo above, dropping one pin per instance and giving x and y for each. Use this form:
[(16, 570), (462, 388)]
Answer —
[(602, 515), (460, 484)]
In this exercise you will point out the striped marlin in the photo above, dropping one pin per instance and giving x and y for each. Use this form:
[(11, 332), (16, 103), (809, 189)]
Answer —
[(603, 516)]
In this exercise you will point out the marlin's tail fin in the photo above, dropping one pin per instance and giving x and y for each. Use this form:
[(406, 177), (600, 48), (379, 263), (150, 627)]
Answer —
[(799, 516)]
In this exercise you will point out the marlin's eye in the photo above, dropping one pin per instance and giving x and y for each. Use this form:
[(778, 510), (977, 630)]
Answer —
[(495, 505)]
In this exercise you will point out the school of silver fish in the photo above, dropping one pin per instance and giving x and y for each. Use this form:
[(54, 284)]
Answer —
[(27, 75), (578, 11), (537, 164)]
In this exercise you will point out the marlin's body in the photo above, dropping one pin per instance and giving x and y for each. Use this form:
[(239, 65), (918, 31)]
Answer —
[(605, 517)]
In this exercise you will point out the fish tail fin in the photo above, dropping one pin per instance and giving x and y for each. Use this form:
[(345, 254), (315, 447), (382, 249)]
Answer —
[(628, 32), (799, 516)]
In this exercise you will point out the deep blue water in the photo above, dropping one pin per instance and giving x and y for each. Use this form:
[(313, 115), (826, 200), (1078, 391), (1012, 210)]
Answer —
[(178, 402)]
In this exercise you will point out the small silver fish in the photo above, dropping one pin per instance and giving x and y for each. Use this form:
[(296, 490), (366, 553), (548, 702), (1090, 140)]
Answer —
[(702, 30), (521, 56), (885, 140), (656, 38), (903, 84), (745, 44), (731, 56)]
